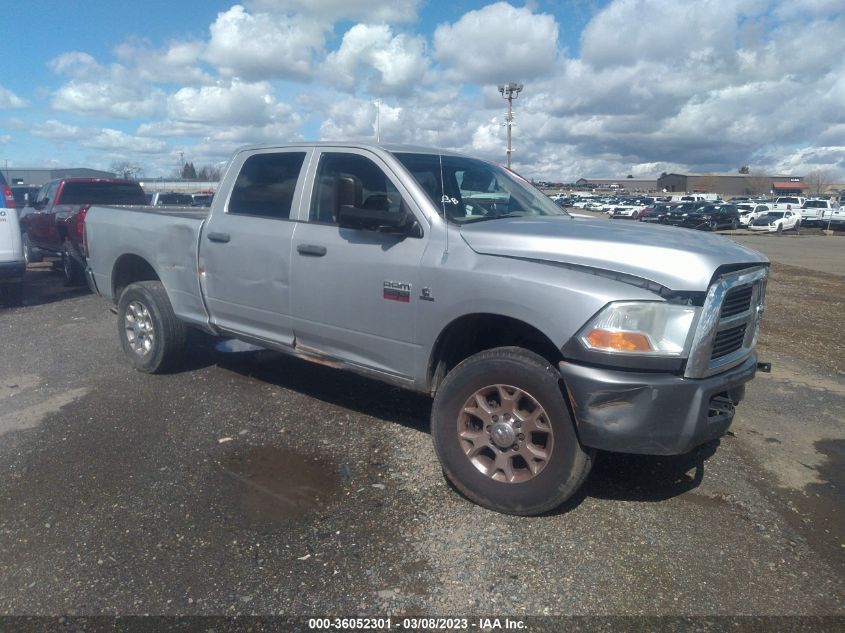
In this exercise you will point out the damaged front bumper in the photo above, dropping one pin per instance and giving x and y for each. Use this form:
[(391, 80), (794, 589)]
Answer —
[(652, 413)]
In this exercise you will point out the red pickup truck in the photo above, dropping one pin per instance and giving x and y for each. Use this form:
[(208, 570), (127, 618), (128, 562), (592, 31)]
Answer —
[(53, 223)]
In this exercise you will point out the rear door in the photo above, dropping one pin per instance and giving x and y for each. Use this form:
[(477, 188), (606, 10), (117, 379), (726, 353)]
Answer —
[(355, 291), (245, 247), (39, 219)]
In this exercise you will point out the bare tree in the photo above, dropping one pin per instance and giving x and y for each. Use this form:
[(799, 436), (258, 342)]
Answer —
[(759, 184), (818, 182), (126, 169), (744, 169), (209, 172)]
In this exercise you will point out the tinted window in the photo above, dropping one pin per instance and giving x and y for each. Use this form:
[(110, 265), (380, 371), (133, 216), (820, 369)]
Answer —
[(815, 204), (266, 185), (344, 179), (102, 193), (174, 199)]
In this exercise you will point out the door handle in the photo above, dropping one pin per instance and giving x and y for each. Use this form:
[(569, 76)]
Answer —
[(311, 249), (219, 237)]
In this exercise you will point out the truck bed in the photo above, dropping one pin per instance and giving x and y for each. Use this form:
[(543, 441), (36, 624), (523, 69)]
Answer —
[(165, 237)]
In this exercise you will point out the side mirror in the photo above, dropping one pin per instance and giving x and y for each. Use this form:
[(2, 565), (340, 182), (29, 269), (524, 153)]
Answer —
[(402, 223)]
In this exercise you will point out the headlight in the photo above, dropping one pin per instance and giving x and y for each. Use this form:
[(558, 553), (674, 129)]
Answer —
[(654, 328)]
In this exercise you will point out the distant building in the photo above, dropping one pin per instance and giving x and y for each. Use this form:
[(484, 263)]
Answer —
[(179, 186), (732, 184), (631, 184), (39, 175)]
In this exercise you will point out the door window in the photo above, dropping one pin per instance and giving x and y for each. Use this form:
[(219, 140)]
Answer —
[(344, 179), (266, 184)]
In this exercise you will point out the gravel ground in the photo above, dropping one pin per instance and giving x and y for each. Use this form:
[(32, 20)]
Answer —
[(250, 483)]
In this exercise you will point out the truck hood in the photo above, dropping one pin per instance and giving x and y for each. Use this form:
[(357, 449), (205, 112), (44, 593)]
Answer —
[(679, 259)]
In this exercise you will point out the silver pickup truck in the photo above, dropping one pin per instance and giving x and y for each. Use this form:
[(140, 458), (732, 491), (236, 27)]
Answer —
[(541, 337)]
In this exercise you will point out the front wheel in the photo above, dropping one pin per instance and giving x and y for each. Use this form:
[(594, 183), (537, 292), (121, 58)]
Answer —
[(734, 224), (151, 335), (713, 225), (503, 433), (780, 229)]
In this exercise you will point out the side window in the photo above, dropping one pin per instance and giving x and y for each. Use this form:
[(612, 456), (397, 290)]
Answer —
[(266, 184), (47, 192), (351, 179)]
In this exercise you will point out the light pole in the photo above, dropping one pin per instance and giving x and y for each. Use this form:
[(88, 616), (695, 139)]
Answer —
[(510, 92)]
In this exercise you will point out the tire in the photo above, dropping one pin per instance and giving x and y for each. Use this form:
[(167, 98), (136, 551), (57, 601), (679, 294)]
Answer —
[(714, 225), (71, 271), (29, 255), (780, 229), (152, 338), (734, 224), (535, 387)]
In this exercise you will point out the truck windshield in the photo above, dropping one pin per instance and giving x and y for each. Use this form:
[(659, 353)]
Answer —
[(472, 190), (102, 193)]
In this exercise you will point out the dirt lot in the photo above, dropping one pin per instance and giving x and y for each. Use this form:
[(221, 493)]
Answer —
[(256, 484)]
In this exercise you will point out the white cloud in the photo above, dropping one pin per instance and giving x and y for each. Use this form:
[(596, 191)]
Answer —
[(233, 103), (373, 11), (108, 140), (370, 57), (498, 43), (262, 45), (176, 63), (98, 90), (9, 100)]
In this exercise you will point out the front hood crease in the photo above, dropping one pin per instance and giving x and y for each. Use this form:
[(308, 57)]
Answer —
[(679, 259)]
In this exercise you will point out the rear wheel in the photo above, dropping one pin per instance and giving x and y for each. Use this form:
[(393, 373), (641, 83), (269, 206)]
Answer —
[(734, 224), (503, 433), (713, 225), (151, 335), (29, 254), (71, 270)]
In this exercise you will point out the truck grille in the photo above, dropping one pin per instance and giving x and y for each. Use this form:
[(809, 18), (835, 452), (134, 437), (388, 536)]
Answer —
[(728, 341), (737, 301), (729, 323)]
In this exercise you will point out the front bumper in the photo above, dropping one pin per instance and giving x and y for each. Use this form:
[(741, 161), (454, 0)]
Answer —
[(12, 271), (652, 413)]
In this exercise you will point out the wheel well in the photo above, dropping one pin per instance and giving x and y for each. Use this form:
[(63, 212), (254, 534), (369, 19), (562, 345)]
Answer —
[(127, 270), (475, 333)]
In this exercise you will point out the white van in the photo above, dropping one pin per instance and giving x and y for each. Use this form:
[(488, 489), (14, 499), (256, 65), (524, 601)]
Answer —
[(12, 265)]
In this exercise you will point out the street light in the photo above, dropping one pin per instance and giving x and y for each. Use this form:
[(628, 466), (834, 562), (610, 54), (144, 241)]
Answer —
[(510, 92)]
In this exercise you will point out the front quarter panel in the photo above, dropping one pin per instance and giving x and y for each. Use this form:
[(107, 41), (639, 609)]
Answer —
[(555, 299)]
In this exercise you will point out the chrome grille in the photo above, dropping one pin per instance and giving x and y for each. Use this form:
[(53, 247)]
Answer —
[(729, 324), (728, 341), (737, 301)]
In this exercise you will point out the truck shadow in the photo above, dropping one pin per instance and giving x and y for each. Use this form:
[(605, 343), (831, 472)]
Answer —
[(44, 283), (615, 476)]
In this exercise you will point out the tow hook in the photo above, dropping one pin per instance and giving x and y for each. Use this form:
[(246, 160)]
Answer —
[(766, 368)]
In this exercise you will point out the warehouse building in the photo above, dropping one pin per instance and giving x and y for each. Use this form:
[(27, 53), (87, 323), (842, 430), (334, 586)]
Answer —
[(629, 184), (732, 184), (37, 176)]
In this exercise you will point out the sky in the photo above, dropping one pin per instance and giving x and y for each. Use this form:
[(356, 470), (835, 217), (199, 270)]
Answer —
[(611, 87)]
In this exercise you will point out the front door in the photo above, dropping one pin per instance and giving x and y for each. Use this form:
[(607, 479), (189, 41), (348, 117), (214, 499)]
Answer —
[(245, 248), (355, 291)]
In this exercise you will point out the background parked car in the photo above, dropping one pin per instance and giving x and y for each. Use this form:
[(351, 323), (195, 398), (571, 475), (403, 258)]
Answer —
[(52, 224), (657, 212), (171, 199), (12, 264), (813, 211), (712, 217), (679, 213), (777, 221), (746, 219)]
